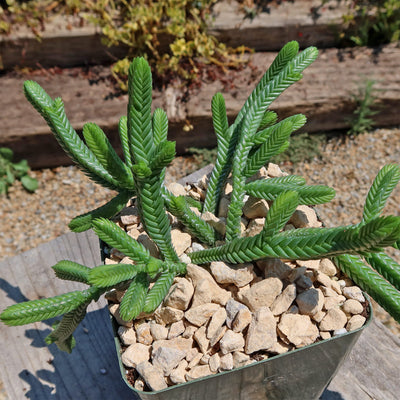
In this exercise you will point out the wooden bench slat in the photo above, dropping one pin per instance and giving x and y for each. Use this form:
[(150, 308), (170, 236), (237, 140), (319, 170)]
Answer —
[(323, 95)]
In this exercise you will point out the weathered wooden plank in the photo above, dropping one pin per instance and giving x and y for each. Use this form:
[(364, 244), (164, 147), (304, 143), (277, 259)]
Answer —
[(57, 47), (66, 43), (323, 95), (306, 21)]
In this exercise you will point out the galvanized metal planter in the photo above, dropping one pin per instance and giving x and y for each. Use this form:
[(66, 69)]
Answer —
[(301, 374)]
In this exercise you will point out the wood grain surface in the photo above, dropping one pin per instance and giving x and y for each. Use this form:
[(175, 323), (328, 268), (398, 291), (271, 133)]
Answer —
[(324, 95), (68, 41)]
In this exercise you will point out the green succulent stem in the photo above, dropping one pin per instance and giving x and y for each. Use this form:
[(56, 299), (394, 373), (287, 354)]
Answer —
[(371, 282), (243, 148), (306, 243)]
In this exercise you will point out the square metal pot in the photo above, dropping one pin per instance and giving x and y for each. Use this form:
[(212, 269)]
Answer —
[(301, 374)]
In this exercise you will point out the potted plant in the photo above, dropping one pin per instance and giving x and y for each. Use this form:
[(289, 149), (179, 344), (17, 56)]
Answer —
[(144, 270)]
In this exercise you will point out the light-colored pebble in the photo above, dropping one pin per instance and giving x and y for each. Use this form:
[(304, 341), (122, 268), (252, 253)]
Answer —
[(201, 339), (309, 264), (152, 376), (217, 320), (218, 335), (143, 334), (135, 354), (355, 322), (176, 189), (127, 335), (333, 302), (255, 208), (195, 360), (134, 232), (339, 332), (304, 217), (168, 315), (218, 223), (318, 317), (242, 320), (284, 300), (180, 240), (197, 273), (298, 329), (328, 292), (239, 358), (280, 348), (189, 330), (353, 292), (325, 335), (204, 359), (197, 246), (328, 267), (274, 171), (191, 354), (203, 293), (139, 384), (231, 341), (177, 343), (352, 306), (214, 362), (226, 362), (201, 314), (261, 334), (178, 374), (158, 331), (336, 287), (176, 329), (333, 320), (262, 294), (114, 311), (199, 371), (239, 275), (254, 227), (180, 294), (167, 358), (323, 279), (130, 216), (232, 307)]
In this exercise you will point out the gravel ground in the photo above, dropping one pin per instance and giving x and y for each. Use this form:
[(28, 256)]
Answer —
[(348, 166)]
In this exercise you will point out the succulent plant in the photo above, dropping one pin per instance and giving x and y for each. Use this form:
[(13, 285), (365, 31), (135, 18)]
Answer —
[(11, 171), (243, 148)]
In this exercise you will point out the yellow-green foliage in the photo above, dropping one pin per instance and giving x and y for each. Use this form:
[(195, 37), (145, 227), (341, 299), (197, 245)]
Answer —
[(144, 26), (171, 34)]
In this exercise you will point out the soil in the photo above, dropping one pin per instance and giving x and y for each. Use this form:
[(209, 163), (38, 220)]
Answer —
[(348, 165)]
